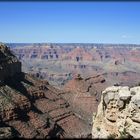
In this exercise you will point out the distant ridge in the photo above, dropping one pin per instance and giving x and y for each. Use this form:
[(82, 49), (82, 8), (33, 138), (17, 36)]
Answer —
[(73, 44)]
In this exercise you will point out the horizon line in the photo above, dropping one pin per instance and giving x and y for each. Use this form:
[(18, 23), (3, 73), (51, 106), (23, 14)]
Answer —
[(68, 43)]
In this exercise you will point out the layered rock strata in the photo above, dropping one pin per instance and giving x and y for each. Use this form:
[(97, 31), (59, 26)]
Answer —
[(32, 108)]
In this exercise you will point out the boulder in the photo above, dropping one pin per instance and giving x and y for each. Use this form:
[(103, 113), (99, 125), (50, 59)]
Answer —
[(118, 114), (5, 132)]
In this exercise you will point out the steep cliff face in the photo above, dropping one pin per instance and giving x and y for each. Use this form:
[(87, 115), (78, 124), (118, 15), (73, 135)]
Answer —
[(32, 108), (118, 114), (9, 64)]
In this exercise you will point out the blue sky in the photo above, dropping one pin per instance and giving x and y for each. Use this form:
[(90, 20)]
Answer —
[(70, 22)]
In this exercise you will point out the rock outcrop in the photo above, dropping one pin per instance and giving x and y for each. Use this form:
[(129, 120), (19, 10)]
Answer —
[(118, 114), (9, 64), (6, 132)]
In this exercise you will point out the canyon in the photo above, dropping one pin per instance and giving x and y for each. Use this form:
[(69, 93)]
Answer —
[(56, 90), (60, 63), (97, 65), (32, 108)]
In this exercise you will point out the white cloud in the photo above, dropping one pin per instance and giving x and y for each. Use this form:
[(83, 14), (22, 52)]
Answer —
[(126, 36)]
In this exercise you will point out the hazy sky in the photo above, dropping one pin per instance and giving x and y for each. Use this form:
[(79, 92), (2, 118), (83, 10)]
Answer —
[(69, 22)]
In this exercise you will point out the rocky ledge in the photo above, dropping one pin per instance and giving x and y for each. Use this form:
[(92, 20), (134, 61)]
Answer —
[(118, 114)]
